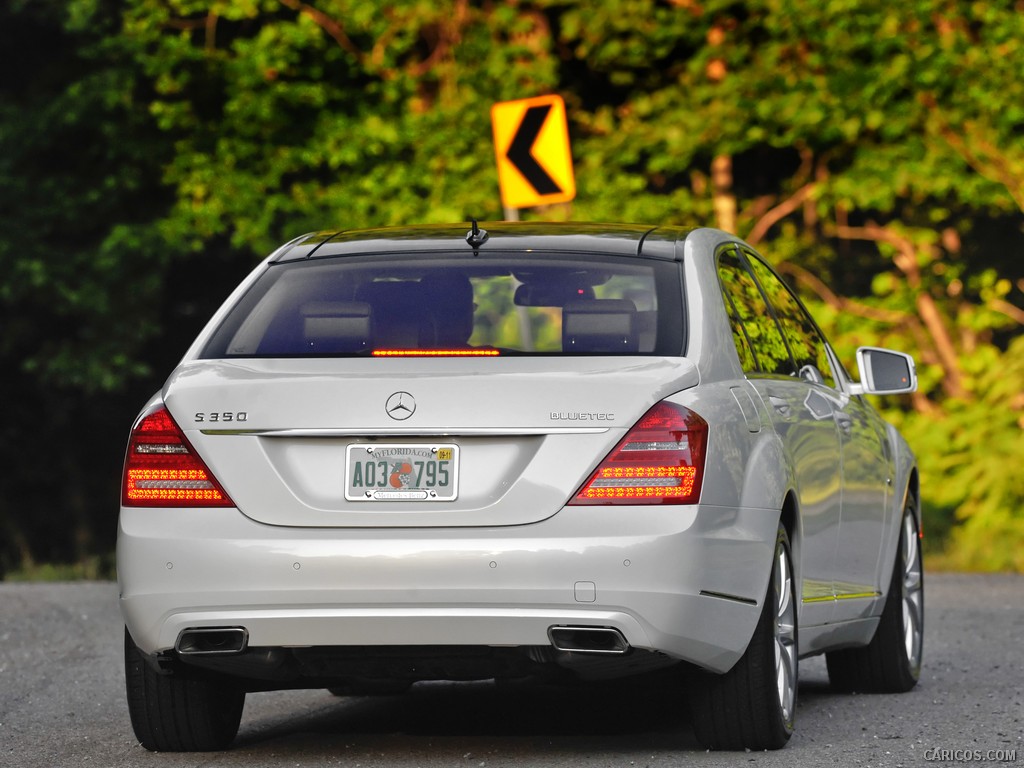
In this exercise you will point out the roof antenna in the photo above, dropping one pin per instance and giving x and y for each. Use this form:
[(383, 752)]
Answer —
[(476, 236)]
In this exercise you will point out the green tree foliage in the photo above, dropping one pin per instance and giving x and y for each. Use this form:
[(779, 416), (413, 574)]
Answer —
[(79, 195), (287, 116), (93, 295), (151, 150)]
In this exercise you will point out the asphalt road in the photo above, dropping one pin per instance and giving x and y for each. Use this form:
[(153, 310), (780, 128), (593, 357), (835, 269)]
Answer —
[(62, 703)]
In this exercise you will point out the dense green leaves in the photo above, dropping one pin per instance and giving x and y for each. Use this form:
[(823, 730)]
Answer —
[(152, 150)]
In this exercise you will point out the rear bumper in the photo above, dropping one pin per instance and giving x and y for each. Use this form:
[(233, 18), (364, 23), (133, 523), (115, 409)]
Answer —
[(685, 581)]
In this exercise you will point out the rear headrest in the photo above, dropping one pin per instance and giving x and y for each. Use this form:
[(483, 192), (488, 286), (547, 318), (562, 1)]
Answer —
[(449, 301), (336, 326), (399, 310), (602, 325)]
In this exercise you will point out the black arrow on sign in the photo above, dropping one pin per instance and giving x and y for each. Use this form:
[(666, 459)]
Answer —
[(520, 156)]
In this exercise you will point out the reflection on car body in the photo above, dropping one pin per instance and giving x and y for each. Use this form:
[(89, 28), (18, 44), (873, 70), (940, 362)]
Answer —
[(570, 451)]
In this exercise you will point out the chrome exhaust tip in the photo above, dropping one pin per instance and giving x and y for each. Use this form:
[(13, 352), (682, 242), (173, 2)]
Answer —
[(606, 640), (208, 641)]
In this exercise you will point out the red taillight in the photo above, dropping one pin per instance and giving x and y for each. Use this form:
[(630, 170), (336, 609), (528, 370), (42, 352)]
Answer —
[(660, 461), (162, 470)]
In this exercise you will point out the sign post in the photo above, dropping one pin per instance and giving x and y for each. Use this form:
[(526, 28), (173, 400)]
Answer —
[(531, 146)]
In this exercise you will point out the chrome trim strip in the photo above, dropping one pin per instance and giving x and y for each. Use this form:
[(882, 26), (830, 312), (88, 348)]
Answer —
[(857, 595), (843, 596), (724, 596), (410, 431)]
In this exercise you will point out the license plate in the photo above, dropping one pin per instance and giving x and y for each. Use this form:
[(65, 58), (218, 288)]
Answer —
[(402, 472)]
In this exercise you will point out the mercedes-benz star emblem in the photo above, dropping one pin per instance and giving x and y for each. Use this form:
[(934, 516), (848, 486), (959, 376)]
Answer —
[(400, 406)]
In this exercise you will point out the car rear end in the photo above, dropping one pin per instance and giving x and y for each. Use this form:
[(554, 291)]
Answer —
[(399, 457)]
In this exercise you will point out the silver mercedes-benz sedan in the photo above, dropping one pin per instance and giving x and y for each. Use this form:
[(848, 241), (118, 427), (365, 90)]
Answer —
[(555, 451)]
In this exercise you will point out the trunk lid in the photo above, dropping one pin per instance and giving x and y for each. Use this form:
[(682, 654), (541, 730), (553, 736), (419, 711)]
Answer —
[(525, 431)]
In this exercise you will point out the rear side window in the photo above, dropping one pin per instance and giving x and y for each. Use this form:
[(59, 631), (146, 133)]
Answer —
[(451, 305), (759, 341), (802, 335)]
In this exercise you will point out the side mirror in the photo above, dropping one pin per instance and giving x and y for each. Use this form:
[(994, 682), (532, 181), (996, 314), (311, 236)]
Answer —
[(884, 372)]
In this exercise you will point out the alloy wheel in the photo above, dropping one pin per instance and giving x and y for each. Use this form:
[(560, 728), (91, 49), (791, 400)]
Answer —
[(785, 633), (912, 592)]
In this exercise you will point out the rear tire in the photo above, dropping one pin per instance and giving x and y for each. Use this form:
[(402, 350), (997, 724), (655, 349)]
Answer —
[(180, 712), (891, 662), (752, 706)]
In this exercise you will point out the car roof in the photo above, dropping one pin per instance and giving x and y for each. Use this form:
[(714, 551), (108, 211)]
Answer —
[(613, 239)]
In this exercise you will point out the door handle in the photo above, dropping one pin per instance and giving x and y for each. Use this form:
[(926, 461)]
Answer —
[(780, 405)]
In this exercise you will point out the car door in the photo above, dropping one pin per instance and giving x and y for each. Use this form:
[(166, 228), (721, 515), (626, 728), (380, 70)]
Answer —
[(801, 406), (866, 497), (861, 463)]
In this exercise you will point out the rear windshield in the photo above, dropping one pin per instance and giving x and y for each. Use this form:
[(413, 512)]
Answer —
[(451, 305)]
